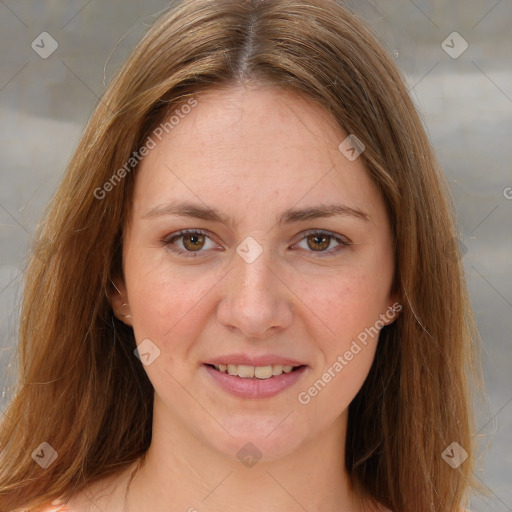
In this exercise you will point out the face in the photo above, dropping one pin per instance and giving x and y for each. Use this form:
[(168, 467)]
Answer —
[(269, 281)]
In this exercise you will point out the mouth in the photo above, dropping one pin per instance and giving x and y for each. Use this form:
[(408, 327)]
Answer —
[(254, 382), (254, 372)]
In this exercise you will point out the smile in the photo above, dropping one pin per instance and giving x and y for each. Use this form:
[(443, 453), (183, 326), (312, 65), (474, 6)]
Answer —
[(254, 382), (259, 372)]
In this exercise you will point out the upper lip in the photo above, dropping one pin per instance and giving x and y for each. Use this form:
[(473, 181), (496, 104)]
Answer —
[(253, 360)]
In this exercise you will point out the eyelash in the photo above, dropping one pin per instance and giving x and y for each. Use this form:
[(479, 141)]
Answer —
[(169, 242)]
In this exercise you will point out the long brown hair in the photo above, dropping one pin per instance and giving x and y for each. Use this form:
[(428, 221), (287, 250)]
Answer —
[(80, 387)]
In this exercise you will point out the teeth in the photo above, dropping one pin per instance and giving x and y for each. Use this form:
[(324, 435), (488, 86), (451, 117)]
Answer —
[(263, 372), (247, 372), (277, 369)]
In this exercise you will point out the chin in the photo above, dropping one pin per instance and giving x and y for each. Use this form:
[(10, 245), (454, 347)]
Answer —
[(263, 442)]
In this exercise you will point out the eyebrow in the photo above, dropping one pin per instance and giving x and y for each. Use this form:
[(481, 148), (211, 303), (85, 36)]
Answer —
[(292, 215)]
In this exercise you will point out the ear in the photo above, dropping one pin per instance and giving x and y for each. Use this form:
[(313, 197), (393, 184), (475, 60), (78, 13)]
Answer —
[(392, 311), (119, 301)]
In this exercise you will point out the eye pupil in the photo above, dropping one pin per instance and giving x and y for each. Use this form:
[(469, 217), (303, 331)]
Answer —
[(195, 245), (323, 245)]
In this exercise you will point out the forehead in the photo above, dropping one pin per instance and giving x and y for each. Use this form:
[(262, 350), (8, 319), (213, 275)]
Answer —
[(229, 121), (253, 147)]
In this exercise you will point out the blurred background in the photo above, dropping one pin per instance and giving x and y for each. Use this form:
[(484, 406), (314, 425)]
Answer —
[(455, 55)]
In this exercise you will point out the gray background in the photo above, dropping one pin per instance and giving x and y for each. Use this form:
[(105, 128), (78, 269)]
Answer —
[(465, 102)]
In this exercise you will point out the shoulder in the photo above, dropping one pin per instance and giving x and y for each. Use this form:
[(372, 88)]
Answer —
[(106, 495), (78, 502), (384, 509)]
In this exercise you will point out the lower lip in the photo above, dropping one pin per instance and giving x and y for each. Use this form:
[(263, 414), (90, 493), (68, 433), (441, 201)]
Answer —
[(253, 387)]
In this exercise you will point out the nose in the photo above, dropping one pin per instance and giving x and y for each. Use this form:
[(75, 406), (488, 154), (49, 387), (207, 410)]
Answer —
[(256, 301)]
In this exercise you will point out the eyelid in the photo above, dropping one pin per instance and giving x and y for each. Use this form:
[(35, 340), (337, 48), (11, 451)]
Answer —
[(168, 240), (342, 240)]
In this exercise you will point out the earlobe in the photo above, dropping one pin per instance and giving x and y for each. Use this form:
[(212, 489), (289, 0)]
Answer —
[(393, 308), (392, 312), (119, 302)]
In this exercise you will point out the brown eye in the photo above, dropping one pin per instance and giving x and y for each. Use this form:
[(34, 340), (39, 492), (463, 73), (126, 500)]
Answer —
[(319, 242), (193, 241), (188, 243)]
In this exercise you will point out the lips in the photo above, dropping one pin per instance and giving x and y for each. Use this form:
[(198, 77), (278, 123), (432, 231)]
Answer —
[(249, 376), (248, 360)]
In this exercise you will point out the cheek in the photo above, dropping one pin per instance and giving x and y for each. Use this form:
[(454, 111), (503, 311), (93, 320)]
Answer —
[(352, 319), (348, 349), (337, 379), (158, 303), (350, 312), (347, 302), (167, 305), (334, 388)]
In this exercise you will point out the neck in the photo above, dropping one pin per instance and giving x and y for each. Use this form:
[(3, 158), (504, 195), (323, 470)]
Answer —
[(182, 473)]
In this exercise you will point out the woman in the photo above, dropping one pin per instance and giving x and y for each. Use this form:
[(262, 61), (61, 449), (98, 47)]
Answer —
[(246, 294)]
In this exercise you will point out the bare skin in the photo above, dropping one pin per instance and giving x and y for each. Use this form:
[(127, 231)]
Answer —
[(250, 154)]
